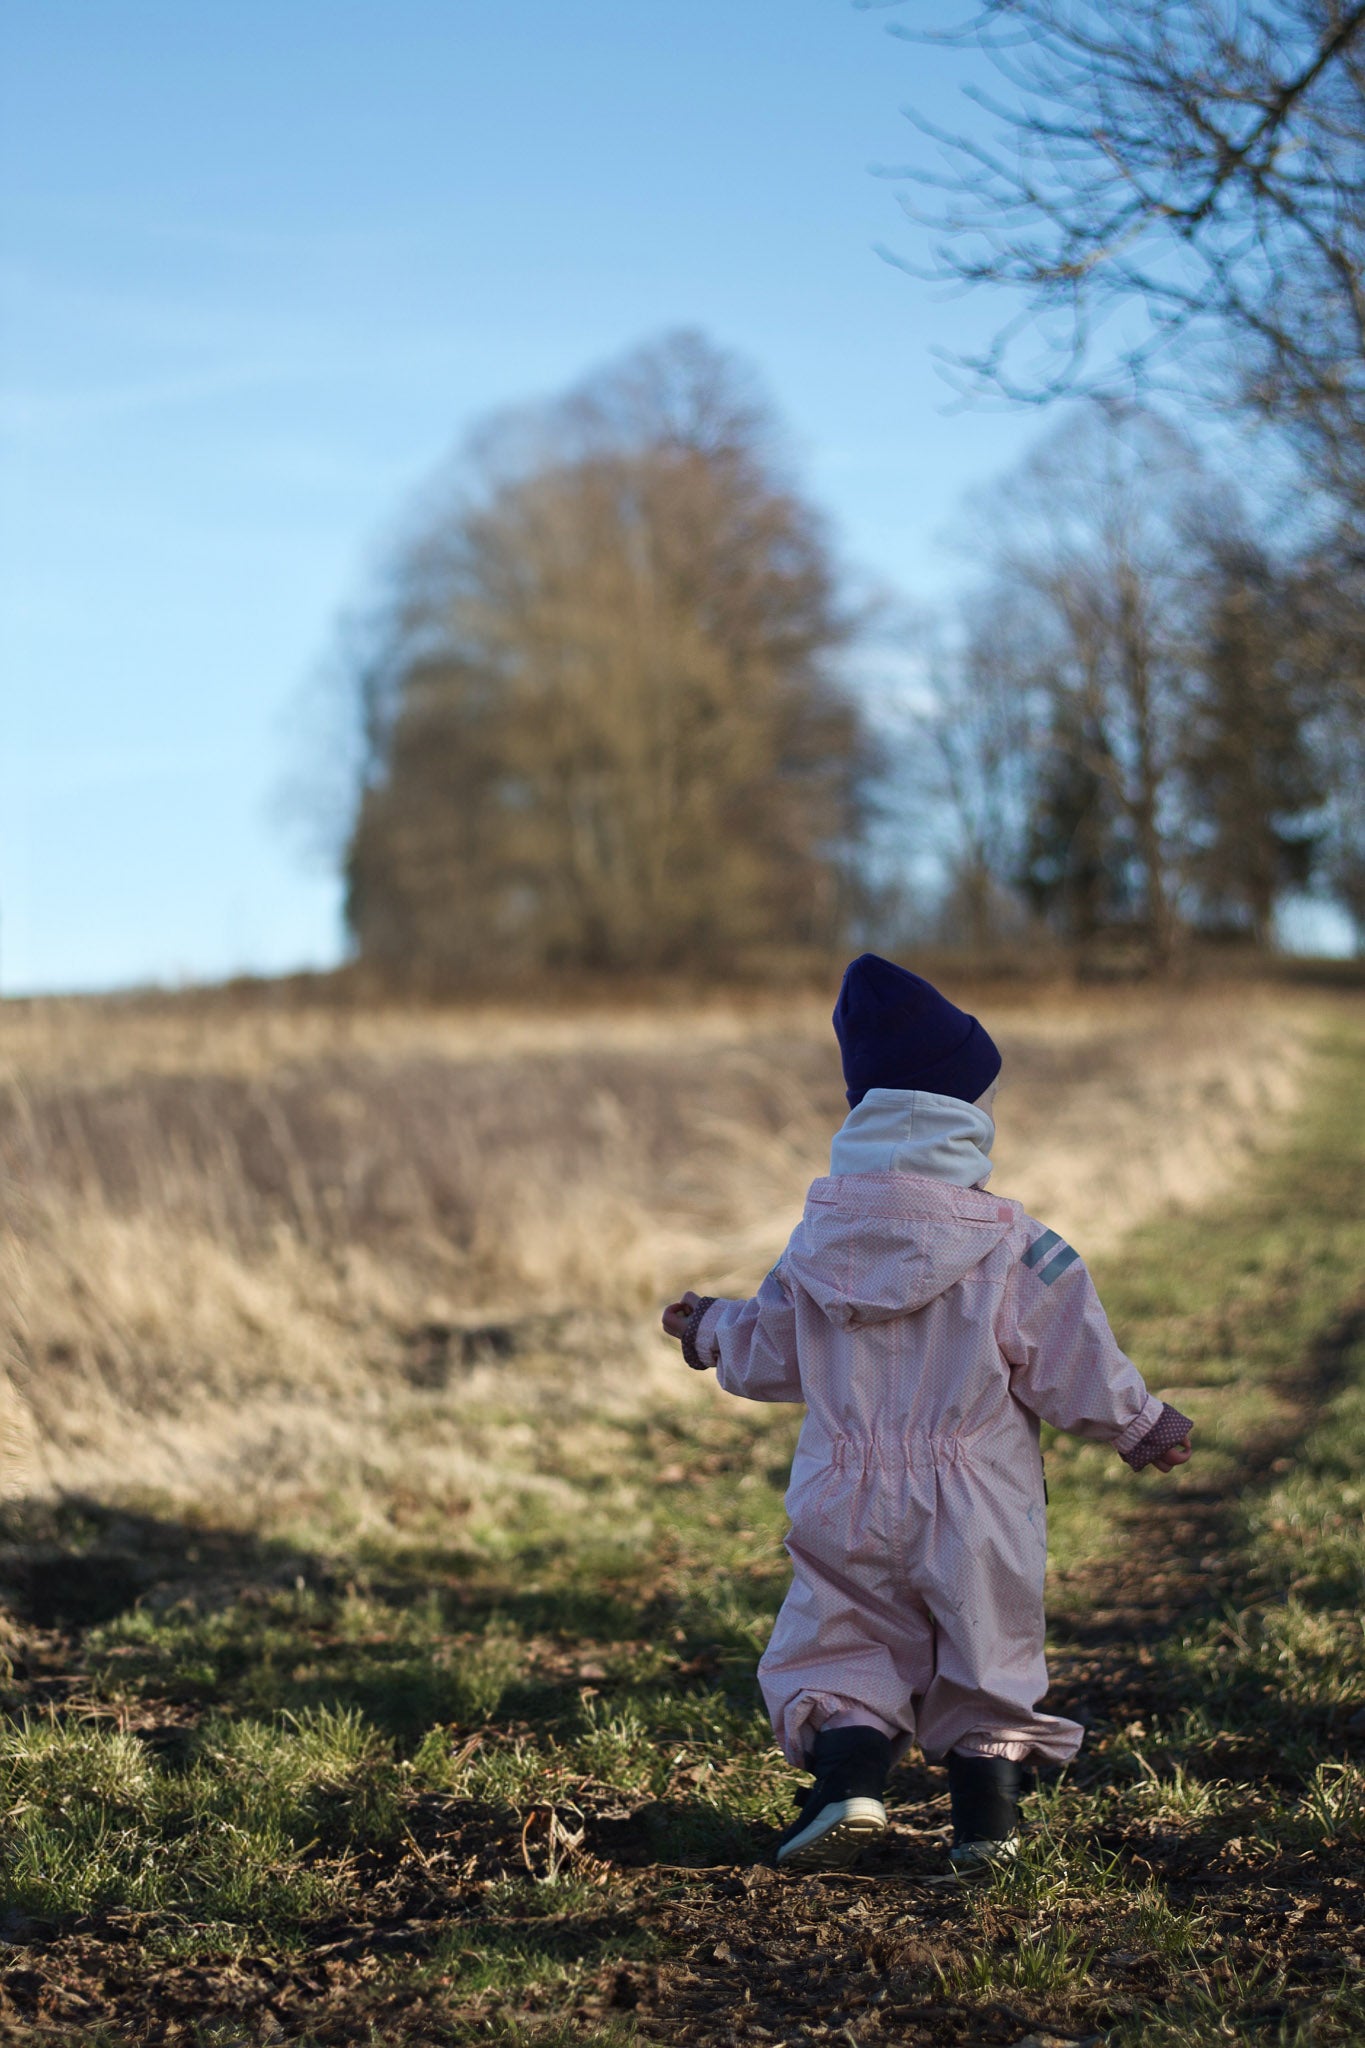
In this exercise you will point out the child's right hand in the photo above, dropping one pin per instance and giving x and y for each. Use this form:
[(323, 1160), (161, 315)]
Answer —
[(1178, 1454)]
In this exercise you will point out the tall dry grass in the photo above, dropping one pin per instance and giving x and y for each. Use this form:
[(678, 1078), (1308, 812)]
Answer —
[(259, 1256)]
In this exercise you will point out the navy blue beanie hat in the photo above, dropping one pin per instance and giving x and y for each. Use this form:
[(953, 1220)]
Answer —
[(897, 1031)]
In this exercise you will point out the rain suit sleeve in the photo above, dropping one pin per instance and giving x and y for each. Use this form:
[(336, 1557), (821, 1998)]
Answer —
[(1065, 1363), (752, 1344)]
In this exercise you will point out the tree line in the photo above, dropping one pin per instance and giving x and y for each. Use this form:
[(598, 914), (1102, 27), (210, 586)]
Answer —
[(610, 720), (606, 705), (1141, 731)]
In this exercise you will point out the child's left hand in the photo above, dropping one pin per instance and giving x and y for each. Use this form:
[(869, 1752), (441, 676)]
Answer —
[(678, 1314), (1178, 1454)]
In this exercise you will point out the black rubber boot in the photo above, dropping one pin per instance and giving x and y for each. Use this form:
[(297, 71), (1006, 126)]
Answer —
[(985, 1793), (843, 1809)]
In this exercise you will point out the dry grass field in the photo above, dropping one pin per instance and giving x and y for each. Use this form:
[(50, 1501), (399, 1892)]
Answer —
[(381, 1595), (247, 1248)]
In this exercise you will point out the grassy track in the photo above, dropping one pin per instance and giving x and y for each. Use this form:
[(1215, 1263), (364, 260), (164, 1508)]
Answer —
[(509, 1780)]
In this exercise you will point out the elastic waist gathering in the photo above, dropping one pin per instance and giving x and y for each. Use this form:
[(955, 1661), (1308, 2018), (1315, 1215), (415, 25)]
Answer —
[(889, 1450)]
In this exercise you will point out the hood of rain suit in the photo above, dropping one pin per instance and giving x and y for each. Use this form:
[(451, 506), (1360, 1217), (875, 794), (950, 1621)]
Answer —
[(900, 1219), (901, 1130)]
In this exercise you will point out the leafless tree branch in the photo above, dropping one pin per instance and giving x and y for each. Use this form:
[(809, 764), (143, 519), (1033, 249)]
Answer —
[(1200, 162)]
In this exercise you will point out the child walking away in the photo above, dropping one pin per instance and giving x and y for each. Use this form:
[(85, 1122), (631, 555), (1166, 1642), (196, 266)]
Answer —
[(928, 1326)]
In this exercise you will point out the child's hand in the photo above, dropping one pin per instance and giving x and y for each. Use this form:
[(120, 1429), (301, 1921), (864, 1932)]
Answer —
[(1178, 1454), (678, 1314)]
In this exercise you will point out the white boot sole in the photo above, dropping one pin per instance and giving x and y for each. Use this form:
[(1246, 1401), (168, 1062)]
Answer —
[(836, 1837), (980, 1861)]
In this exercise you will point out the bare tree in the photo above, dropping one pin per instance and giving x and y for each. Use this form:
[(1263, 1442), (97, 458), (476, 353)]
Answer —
[(605, 719), (1139, 732), (1201, 162), (1058, 734), (1325, 599), (977, 741), (1093, 528), (1254, 781)]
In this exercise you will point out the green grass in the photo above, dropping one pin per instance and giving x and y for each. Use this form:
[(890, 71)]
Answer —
[(442, 1737), (1251, 1323)]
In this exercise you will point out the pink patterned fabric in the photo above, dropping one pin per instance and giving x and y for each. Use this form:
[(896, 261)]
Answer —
[(927, 1328)]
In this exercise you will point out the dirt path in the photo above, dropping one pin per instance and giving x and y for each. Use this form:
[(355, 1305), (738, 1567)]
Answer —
[(1181, 1561), (836, 1958)]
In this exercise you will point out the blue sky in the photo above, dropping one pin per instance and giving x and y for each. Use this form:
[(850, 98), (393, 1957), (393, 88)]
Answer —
[(262, 265)]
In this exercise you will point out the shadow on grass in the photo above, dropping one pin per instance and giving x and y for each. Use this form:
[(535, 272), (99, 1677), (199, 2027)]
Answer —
[(113, 1603), (74, 1564), (687, 1832)]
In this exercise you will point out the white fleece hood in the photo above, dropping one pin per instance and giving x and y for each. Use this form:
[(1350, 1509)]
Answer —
[(901, 1130)]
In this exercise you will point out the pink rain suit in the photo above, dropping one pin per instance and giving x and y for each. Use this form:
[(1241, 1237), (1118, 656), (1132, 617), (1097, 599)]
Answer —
[(927, 1327)]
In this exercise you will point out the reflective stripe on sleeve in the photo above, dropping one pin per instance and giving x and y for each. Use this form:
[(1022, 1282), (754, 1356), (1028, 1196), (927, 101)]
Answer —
[(1055, 1267), (1040, 1247)]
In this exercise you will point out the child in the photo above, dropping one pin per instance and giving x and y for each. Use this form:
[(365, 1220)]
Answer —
[(927, 1326)]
